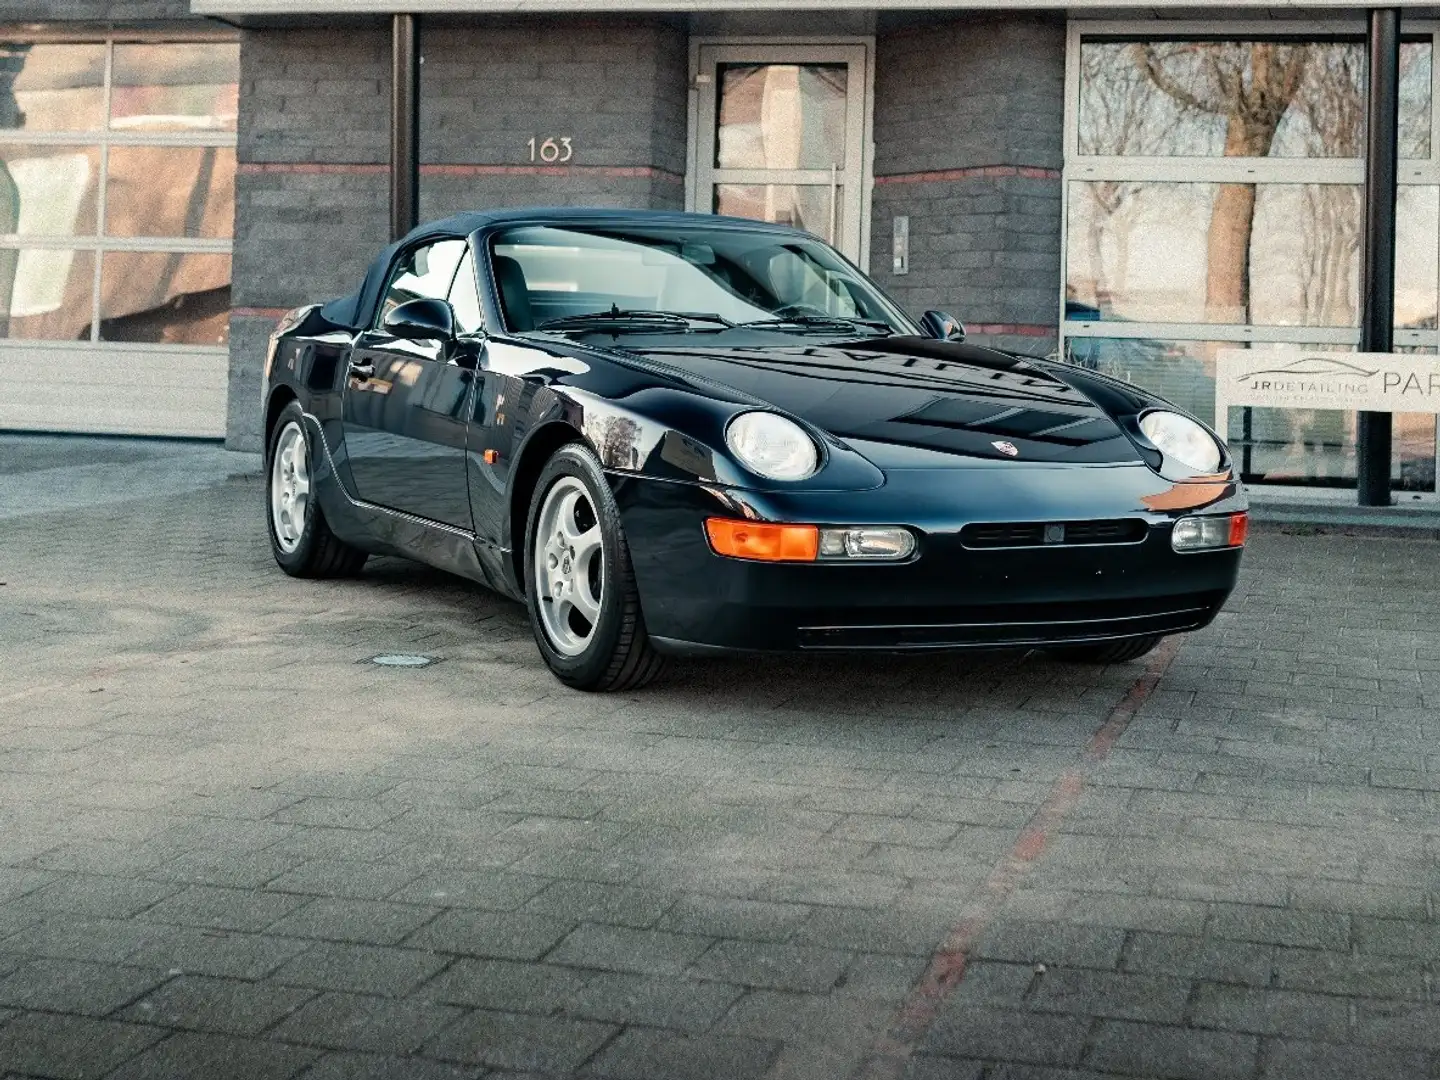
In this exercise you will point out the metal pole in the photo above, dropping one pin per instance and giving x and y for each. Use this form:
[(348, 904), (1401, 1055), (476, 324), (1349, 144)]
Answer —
[(1377, 272), (404, 125)]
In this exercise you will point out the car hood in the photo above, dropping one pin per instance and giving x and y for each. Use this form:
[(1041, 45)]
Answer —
[(941, 396)]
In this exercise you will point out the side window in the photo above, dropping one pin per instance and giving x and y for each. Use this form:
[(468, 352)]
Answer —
[(465, 299), (426, 271)]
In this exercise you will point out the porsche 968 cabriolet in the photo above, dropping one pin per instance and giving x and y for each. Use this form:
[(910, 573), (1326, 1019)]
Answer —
[(683, 434)]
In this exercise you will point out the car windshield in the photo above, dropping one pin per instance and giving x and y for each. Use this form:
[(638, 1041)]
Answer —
[(688, 279)]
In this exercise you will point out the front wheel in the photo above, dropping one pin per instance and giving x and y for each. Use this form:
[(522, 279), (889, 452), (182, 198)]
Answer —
[(579, 585), (1109, 652), (300, 538)]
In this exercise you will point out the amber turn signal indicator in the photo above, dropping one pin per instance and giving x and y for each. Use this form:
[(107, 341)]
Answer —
[(763, 542)]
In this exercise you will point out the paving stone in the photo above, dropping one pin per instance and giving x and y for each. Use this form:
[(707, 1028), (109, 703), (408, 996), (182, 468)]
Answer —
[(340, 878), (363, 969), (1200, 958), (594, 902), (511, 1041), (100, 897), (505, 985), (226, 1006), (501, 935), (349, 1066), (70, 1047), (729, 917), (215, 1057), (1271, 1012), (493, 890), (1114, 994), (70, 986), (614, 948), (361, 922), (1051, 944), (780, 967), (639, 1055), (223, 909), (1184, 1053), (1004, 1035), (1296, 1059), (189, 950), (357, 1022), (653, 1001), (1307, 929)]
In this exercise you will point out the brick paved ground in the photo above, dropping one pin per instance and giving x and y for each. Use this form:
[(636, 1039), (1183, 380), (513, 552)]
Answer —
[(229, 848)]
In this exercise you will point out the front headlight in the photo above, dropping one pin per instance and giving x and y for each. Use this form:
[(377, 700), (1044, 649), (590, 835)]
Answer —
[(772, 446), (1182, 439)]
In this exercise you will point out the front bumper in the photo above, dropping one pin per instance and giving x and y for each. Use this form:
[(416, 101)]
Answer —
[(948, 596)]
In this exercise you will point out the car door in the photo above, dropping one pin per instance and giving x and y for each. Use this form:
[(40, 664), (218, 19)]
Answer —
[(406, 401)]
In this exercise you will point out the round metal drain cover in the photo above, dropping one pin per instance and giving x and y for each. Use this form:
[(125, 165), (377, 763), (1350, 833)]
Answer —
[(402, 660)]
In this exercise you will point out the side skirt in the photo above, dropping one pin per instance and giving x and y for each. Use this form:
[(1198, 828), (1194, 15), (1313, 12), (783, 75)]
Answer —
[(382, 531)]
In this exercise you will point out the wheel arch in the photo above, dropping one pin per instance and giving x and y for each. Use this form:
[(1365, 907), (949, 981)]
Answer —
[(281, 396), (524, 475)]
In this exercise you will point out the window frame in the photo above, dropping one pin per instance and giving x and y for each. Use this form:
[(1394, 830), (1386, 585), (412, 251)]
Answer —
[(104, 138), (1258, 171)]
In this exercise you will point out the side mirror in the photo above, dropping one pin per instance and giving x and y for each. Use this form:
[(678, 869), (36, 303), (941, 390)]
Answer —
[(942, 327), (424, 319)]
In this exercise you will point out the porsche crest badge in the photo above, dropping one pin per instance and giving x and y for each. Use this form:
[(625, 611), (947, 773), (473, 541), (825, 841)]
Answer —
[(1009, 449)]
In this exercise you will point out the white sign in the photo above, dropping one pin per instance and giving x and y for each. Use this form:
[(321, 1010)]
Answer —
[(1351, 382)]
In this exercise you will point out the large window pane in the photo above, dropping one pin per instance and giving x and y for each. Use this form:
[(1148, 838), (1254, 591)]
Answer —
[(170, 298), (52, 87), (175, 87), (1240, 99), (1273, 254), (46, 295), (781, 116), (1292, 446), (1417, 256), (48, 190), (171, 191), (804, 206)]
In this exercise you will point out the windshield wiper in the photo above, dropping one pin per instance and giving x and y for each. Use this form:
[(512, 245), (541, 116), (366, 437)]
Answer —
[(618, 316), (806, 322)]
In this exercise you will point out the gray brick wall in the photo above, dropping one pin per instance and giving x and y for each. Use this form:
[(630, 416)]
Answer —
[(311, 196), (955, 96), (98, 11)]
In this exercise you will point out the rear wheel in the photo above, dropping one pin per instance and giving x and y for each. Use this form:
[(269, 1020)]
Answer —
[(300, 540), (1109, 652), (584, 607)]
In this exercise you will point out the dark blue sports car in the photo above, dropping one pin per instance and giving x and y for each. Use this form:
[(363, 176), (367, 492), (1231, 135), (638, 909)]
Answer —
[(671, 433)]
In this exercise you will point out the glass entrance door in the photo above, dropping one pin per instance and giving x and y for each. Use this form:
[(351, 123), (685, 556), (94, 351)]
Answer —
[(780, 136)]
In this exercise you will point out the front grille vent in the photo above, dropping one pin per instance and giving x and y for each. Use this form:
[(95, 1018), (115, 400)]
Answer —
[(1021, 534)]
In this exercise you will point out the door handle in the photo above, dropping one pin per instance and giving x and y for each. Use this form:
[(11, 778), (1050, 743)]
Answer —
[(362, 369)]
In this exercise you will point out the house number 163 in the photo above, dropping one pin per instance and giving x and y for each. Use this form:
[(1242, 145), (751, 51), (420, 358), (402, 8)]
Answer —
[(551, 151)]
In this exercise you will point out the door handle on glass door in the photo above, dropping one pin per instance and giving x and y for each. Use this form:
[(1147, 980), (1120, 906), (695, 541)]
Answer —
[(361, 369)]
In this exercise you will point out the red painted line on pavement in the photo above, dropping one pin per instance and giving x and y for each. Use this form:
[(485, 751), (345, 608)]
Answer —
[(946, 970), (272, 313)]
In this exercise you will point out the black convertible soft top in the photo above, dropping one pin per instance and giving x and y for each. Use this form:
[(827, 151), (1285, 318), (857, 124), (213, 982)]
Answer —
[(357, 309)]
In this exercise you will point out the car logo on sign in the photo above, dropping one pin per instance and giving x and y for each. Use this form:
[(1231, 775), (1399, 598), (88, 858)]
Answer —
[(1007, 448)]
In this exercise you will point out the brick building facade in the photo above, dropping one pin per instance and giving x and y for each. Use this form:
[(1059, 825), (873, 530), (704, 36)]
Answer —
[(966, 117)]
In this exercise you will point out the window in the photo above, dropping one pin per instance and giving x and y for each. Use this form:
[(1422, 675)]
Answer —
[(117, 190), (1213, 198), (425, 272)]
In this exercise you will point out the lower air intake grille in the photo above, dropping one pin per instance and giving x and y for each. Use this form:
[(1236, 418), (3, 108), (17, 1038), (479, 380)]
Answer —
[(1053, 534)]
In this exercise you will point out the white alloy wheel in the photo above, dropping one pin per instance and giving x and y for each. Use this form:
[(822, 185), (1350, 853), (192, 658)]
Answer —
[(568, 566), (290, 487)]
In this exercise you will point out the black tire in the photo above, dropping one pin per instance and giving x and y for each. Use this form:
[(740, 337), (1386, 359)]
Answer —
[(319, 553), (618, 655), (1110, 652)]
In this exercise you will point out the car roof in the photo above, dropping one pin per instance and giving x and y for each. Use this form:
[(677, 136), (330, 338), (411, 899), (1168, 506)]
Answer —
[(470, 221)]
